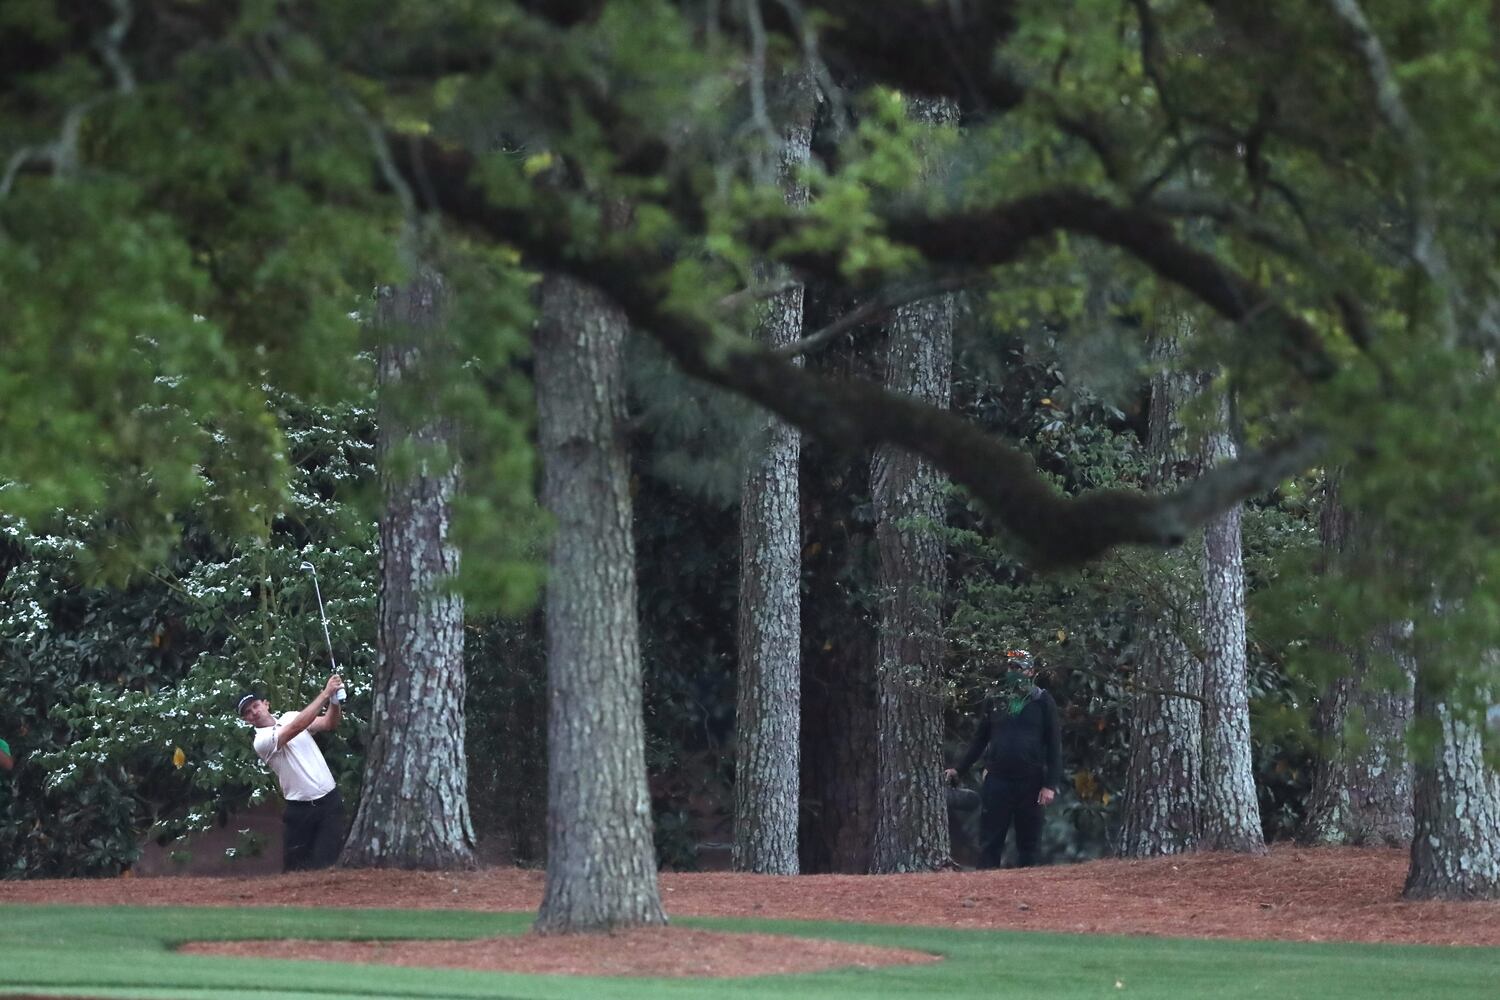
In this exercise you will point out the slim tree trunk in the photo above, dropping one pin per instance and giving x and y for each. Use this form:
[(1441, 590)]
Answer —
[(1455, 853), (1164, 777), (1231, 812), (413, 809), (768, 698), (911, 824), (1362, 784), (1163, 780), (601, 863)]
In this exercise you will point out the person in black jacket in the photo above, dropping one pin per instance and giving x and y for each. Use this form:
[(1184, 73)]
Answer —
[(1019, 739)]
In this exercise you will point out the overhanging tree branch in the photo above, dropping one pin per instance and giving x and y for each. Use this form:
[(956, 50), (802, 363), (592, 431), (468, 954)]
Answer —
[(1057, 530), (878, 308), (1002, 233)]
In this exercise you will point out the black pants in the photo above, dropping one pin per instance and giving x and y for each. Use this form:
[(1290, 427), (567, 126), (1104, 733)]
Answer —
[(1010, 798), (312, 832)]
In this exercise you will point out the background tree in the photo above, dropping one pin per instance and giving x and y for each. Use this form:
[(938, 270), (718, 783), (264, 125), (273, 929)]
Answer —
[(910, 497), (413, 809), (768, 715), (1231, 810), (1455, 850), (1162, 811), (911, 823), (601, 869), (1362, 786)]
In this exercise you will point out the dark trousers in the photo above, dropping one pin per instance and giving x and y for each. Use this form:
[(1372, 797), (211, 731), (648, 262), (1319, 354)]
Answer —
[(1010, 799), (312, 832)]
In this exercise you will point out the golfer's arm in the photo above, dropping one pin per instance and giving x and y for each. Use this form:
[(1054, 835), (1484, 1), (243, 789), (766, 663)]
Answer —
[(302, 720), (329, 720), (5, 761)]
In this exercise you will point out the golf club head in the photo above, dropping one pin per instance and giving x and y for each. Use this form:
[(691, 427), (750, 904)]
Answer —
[(308, 567)]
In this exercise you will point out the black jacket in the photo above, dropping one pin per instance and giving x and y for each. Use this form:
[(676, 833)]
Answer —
[(1028, 742)]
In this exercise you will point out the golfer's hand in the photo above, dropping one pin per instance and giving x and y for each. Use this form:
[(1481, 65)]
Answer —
[(334, 683), (950, 775), (1045, 797)]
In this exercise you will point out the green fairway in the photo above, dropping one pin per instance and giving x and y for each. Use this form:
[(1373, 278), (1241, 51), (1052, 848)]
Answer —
[(125, 952)]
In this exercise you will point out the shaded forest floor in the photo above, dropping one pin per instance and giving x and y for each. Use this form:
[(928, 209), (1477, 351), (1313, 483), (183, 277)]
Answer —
[(1292, 894)]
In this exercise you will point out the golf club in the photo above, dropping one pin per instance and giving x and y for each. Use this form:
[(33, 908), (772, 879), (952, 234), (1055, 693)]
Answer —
[(308, 567)]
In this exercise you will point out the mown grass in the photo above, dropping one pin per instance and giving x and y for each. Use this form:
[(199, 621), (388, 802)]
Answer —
[(127, 952)]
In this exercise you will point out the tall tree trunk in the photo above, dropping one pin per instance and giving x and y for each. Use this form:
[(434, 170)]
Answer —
[(768, 697), (1455, 853), (911, 821), (1362, 784), (413, 808), (1230, 813), (1163, 780), (601, 864)]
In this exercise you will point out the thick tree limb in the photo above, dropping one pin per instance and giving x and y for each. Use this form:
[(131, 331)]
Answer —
[(1057, 530)]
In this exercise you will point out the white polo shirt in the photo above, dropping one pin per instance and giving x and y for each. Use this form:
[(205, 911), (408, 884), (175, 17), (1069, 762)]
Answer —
[(299, 765)]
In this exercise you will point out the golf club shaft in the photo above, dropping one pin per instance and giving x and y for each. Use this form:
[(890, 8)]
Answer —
[(323, 617)]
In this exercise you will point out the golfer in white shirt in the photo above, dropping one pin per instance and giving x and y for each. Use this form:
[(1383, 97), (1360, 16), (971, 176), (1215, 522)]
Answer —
[(313, 824)]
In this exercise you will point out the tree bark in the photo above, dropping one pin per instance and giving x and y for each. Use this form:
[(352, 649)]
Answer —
[(768, 698), (911, 822), (1163, 781), (1455, 853), (413, 809), (1231, 811), (1362, 784), (601, 863)]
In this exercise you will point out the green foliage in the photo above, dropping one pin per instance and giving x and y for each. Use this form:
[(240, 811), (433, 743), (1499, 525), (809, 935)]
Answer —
[(104, 686), (193, 216)]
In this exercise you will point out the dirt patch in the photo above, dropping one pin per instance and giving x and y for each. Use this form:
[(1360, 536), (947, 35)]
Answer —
[(1291, 894), (654, 951)]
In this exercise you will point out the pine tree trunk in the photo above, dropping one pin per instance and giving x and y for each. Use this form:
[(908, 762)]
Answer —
[(413, 809), (601, 863), (1455, 853), (1362, 784), (768, 697), (1230, 813), (1163, 781), (1164, 778), (911, 818)]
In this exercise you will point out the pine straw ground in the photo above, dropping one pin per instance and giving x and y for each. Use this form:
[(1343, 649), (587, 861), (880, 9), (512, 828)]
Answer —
[(1291, 894)]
